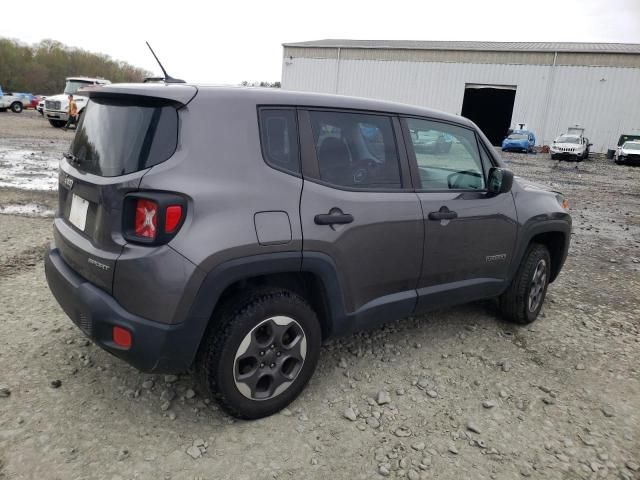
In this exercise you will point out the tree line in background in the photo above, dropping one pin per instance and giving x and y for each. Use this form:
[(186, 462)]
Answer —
[(42, 68), (260, 84)]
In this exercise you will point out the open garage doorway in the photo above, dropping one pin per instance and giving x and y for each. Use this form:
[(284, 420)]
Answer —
[(490, 107)]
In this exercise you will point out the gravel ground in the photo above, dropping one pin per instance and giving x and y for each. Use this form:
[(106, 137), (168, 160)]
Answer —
[(454, 394)]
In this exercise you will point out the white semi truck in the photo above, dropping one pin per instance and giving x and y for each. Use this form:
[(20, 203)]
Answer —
[(56, 106)]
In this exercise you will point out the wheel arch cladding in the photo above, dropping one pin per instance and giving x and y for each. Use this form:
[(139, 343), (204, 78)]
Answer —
[(553, 233), (556, 243), (313, 278)]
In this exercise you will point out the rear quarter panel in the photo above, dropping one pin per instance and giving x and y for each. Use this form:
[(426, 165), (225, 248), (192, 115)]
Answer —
[(218, 165)]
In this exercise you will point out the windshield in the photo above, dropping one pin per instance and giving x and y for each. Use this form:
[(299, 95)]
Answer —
[(568, 139), (73, 86), (631, 146), (627, 138), (116, 137), (517, 136)]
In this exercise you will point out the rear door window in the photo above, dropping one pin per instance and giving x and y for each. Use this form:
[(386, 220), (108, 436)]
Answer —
[(356, 150), (116, 137)]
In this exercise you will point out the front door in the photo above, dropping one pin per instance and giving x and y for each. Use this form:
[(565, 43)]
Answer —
[(358, 208), (470, 234)]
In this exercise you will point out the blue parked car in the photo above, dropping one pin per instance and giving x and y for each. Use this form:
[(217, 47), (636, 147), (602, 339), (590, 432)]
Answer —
[(519, 140)]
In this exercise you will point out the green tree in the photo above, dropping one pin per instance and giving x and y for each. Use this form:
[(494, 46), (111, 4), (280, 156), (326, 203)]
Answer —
[(43, 67)]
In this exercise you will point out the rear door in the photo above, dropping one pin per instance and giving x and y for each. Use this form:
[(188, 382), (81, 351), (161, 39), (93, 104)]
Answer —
[(117, 140), (358, 208), (469, 233)]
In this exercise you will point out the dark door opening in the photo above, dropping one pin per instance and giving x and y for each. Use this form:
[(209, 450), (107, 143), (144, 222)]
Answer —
[(491, 109)]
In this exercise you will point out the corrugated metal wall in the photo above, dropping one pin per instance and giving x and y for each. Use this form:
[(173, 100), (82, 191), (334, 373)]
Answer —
[(604, 100)]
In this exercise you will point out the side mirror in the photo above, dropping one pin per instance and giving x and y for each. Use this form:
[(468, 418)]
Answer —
[(500, 180)]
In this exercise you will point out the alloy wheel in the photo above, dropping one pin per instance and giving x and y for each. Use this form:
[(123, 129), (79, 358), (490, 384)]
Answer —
[(269, 358), (538, 283)]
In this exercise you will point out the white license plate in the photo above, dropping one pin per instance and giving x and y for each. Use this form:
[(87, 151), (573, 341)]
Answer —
[(78, 213)]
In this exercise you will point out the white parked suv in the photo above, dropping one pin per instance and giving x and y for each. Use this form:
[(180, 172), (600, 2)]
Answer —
[(572, 145), (56, 106), (628, 152)]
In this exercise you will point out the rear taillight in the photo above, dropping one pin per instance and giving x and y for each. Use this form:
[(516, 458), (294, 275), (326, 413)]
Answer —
[(153, 218), (146, 222), (172, 219)]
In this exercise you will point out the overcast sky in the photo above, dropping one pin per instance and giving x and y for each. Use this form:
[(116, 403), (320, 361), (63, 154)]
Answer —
[(230, 41)]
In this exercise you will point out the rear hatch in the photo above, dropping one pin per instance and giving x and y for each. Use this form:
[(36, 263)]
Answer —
[(123, 132)]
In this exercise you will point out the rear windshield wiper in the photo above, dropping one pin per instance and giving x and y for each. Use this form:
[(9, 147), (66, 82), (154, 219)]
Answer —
[(72, 158)]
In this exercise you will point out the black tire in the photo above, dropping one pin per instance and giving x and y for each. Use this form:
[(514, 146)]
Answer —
[(16, 107), (57, 123), (554, 157), (220, 360), (516, 304)]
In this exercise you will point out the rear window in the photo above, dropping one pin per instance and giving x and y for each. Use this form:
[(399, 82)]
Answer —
[(116, 137)]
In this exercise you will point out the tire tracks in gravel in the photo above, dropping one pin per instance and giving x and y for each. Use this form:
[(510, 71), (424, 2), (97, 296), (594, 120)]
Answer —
[(24, 260)]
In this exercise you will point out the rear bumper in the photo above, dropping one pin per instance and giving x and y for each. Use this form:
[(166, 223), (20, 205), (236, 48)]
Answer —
[(156, 347)]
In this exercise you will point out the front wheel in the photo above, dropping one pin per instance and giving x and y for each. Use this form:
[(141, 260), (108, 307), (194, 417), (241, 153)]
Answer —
[(16, 107), (523, 300), (261, 353), (57, 123)]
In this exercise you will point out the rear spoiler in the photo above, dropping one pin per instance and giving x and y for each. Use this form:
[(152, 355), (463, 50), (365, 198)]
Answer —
[(179, 93)]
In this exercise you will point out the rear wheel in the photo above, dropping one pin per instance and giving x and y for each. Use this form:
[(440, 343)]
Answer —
[(16, 107), (523, 300), (57, 123), (261, 353)]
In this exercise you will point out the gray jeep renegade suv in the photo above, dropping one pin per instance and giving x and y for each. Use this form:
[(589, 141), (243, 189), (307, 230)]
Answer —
[(233, 230)]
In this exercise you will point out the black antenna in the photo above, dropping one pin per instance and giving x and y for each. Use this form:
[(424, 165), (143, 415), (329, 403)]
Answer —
[(167, 78)]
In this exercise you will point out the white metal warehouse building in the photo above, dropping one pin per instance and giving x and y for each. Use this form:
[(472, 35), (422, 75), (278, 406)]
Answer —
[(547, 86)]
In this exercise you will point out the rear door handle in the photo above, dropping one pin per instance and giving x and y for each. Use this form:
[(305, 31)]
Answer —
[(443, 214), (335, 217)]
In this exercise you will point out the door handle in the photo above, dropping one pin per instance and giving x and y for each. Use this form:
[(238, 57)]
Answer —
[(335, 217), (443, 214)]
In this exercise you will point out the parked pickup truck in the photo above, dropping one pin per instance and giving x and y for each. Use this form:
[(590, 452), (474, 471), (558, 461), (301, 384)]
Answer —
[(11, 101)]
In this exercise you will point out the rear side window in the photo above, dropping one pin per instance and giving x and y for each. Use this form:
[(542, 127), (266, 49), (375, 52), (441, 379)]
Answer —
[(356, 150), (116, 137), (279, 139)]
